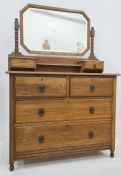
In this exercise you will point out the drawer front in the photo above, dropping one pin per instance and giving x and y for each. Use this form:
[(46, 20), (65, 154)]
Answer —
[(35, 138), (22, 63), (91, 87), (56, 110), (93, 66), (40, 87)]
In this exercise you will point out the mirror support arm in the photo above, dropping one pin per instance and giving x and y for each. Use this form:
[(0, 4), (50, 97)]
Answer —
[(16, 28), (92, 35)]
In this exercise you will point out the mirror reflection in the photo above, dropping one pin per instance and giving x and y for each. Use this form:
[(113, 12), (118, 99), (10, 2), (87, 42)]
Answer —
[(54, 31)]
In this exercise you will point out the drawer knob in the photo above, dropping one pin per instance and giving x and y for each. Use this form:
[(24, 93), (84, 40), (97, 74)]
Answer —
[(91, 134), (94, 66), (92, 87), (41, 112), (91, 110), (42, 87), (41, 139)]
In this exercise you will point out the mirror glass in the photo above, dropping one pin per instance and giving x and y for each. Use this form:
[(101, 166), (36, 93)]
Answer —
[(54, 31)]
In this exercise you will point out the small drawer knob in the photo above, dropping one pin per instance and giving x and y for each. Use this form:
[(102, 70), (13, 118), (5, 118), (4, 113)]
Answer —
[(92, 87), (91, 110), (91, 134), (94, 66), (41, 111), (42, 87), (41, 139)]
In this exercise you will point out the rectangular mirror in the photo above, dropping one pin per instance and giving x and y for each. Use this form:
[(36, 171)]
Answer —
[(51, 30)]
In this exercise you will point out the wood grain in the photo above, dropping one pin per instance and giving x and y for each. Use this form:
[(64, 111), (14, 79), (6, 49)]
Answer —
[(81, 86), (62, 153), (60, 110), (11, 120), (93, 66), (60, 105), (113, 115), (67, 125), (30, 87), (65, 135), (82, 74), (22, 63), (55, 65)]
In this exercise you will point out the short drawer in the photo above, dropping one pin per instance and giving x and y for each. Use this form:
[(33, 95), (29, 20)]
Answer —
[(46, 137), (91, 86), (59, 110), (22, 63), (40, 87)]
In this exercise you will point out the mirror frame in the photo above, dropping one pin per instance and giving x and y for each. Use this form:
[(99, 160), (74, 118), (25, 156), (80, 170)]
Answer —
[(54, 9)]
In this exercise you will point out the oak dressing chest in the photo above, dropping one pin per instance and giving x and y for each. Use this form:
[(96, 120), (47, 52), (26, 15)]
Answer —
[(61, 104)]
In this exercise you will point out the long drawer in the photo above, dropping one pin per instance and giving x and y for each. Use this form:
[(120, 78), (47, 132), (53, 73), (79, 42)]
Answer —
[(40, 87), (46, 137), (56, 110), (91, 86)]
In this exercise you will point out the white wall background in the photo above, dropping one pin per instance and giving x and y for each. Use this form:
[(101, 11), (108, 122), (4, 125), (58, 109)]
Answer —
[(105, 17)]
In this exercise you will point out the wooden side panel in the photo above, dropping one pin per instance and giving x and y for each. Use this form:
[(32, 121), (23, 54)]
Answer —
[(113, 115), (40, 87), (12, 119), (91, 87), (33, 138), (56, 110)]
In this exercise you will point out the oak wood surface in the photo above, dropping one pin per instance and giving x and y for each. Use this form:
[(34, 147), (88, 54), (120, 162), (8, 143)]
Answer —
[(11, 120), (81, 86), (58, 65), (55, 136), (30, 86), (62, 153), (22, 63), (60, 105), (93, 65), (62, 73), (68, 126), (56, 110), (113, 115)]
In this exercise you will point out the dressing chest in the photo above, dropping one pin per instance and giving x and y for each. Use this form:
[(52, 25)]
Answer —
[(60, 103)]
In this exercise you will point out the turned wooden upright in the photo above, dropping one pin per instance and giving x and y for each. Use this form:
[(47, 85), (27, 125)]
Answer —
[(92, 35), (16, 47)]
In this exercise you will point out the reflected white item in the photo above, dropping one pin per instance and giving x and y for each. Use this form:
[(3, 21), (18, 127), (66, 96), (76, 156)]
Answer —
[(46, 45)]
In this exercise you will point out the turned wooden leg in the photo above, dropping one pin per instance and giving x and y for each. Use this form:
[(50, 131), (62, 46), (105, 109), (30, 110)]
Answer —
[(11, 168), (111, 153)]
